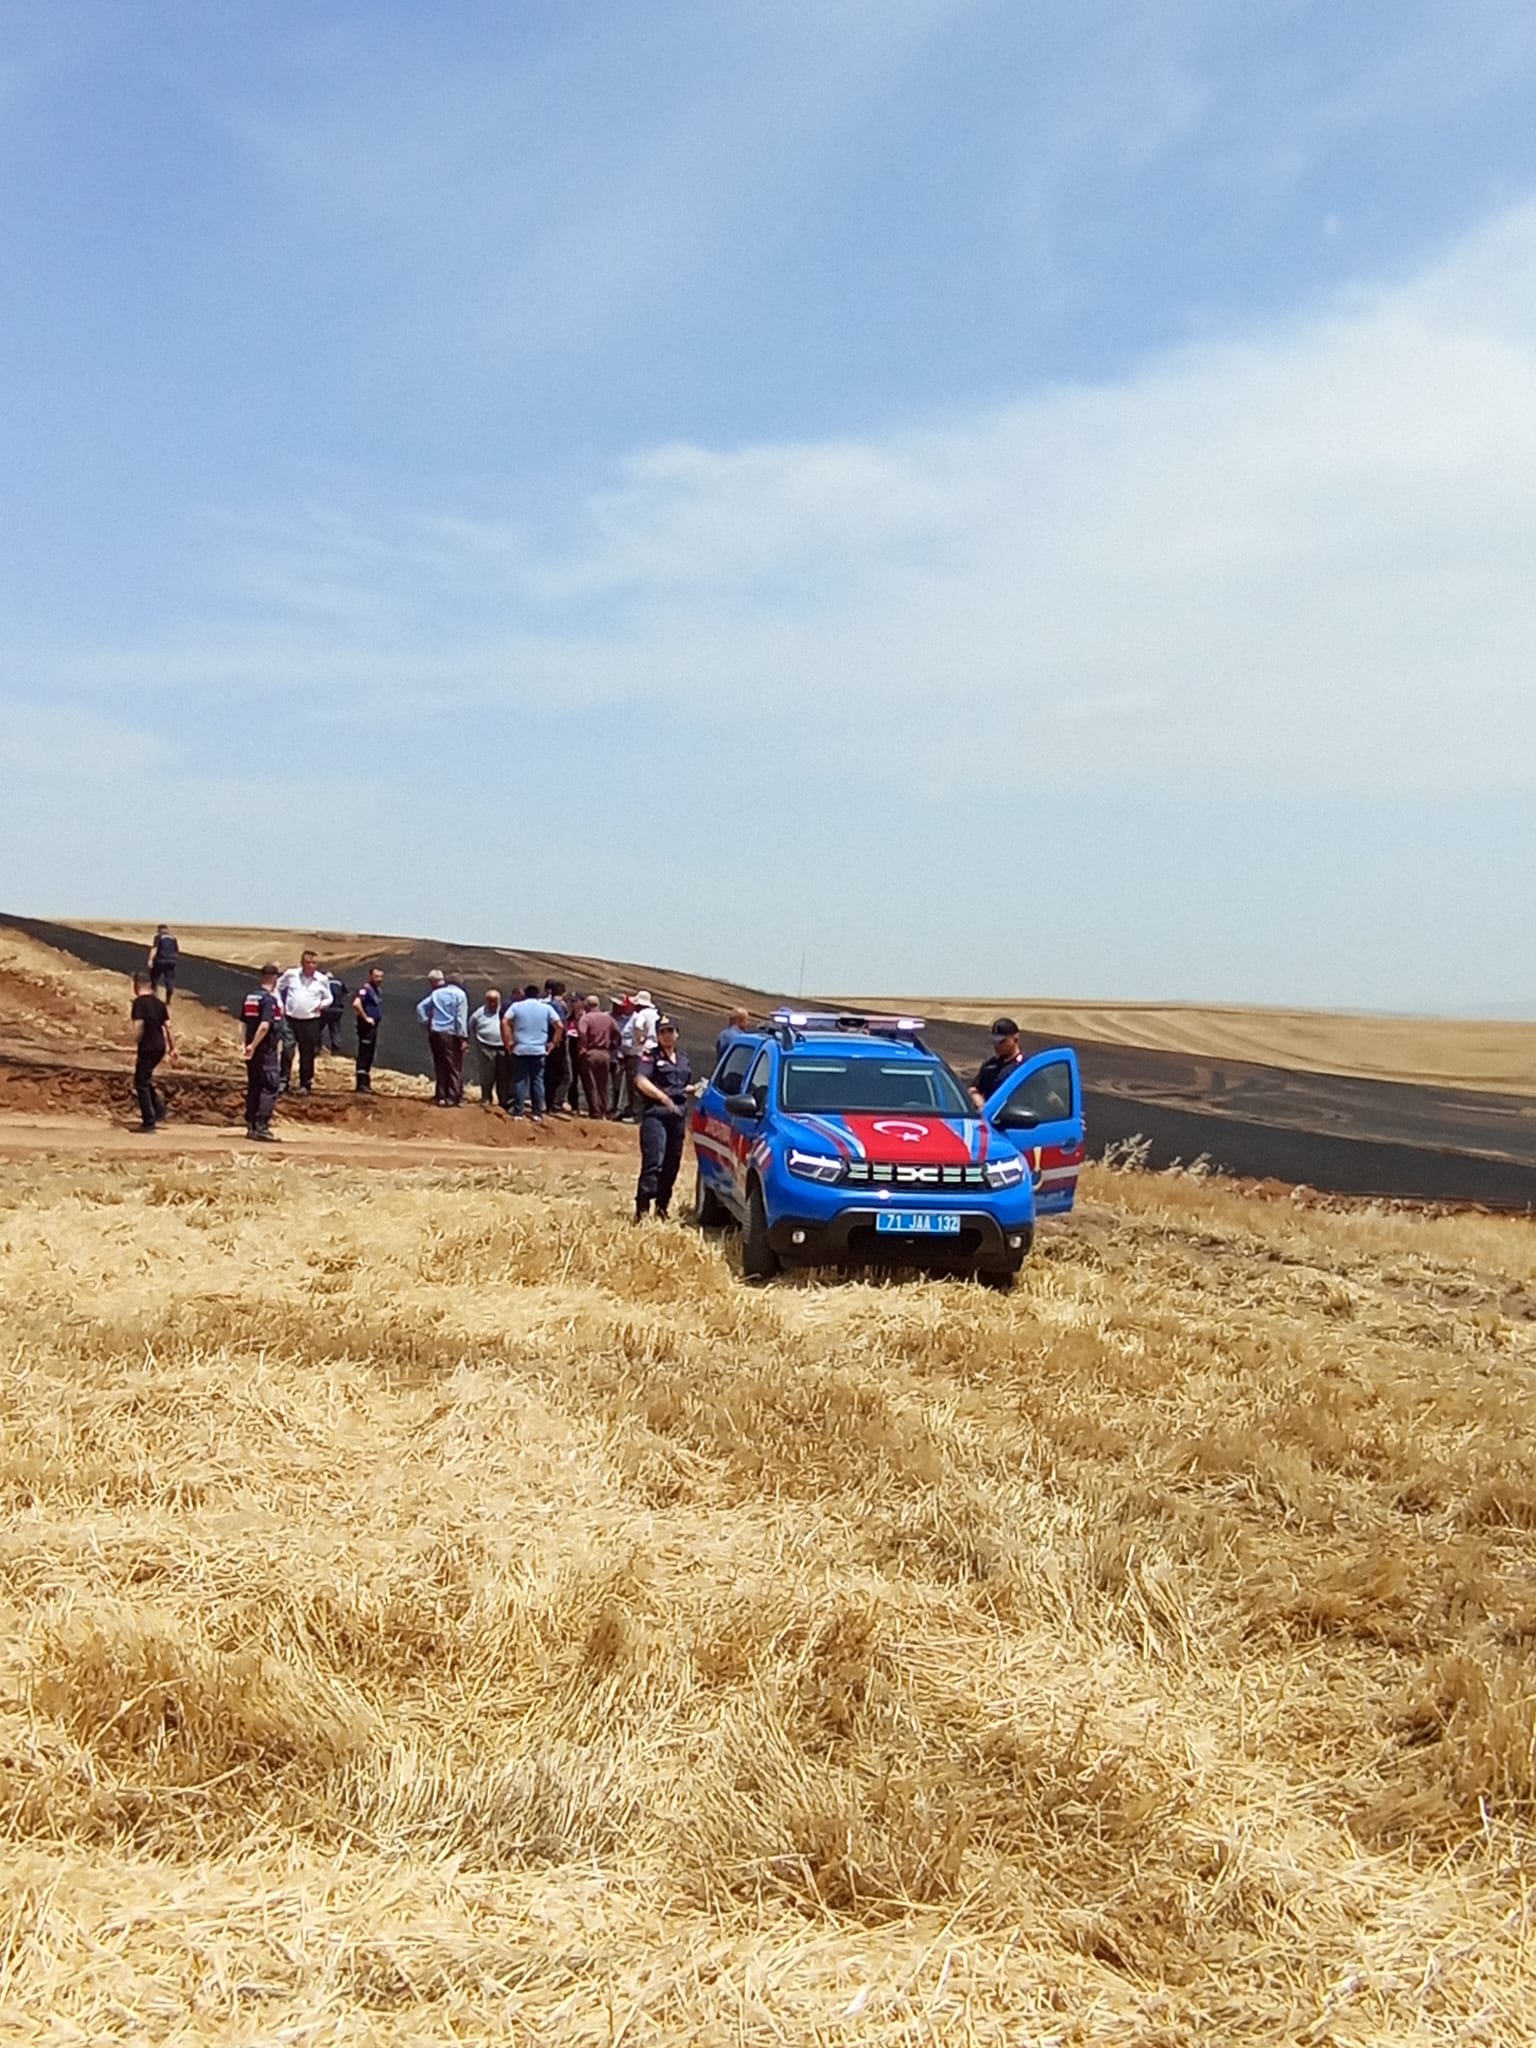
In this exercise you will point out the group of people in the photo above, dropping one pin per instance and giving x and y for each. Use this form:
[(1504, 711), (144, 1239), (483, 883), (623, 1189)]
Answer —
[(531, 1056), (547, 1052), (543, 1052)]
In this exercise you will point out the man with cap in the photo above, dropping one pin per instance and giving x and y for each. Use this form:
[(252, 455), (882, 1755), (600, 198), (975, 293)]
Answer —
[(444, 1010), (664, 1084), (261, 1015), (639, 1036), (1007, 1053), (368, 1009)]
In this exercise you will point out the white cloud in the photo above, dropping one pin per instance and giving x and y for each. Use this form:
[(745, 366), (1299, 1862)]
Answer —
[(1297, 560)]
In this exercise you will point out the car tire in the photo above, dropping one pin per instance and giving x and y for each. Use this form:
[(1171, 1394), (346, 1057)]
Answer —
[(709, 1212), (759, 1260), (999, 1279)]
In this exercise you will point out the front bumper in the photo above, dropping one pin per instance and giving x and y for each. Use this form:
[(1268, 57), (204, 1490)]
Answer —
[(850, 1238)]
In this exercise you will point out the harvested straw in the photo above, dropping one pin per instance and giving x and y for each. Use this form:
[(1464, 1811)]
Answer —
[(438, 1611)]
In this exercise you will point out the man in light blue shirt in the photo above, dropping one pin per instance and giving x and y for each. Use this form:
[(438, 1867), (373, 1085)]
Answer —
[(444, 1009), (531, 1032)]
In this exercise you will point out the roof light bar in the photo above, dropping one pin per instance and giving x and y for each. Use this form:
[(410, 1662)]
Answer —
[(846, 1020)]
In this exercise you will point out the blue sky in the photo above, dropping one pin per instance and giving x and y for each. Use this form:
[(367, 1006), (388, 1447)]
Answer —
[(988, 496)]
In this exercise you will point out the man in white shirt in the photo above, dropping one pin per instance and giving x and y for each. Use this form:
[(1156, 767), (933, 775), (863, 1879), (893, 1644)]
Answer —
[(305, 994), (637, 1038)]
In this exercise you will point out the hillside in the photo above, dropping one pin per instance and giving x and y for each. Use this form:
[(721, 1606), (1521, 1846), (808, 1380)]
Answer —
[(454, 1615), (1497, 1055)]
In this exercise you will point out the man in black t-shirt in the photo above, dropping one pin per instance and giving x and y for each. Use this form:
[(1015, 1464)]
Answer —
[(153, 1021), (1007, 1053)]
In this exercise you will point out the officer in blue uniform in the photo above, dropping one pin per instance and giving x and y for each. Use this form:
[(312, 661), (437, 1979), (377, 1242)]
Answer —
[(262, 1018), (663, 1083), (368, 1008)]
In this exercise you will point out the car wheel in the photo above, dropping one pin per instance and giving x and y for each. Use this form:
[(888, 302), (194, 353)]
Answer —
[(999, 1278), (759, 1260), (709, 1212)]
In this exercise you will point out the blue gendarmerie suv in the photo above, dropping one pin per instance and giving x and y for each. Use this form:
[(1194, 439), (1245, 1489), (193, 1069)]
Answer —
[(842, 1139)]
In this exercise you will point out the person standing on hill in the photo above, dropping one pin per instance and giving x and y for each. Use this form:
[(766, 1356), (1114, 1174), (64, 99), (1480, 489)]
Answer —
[(305, 995), (164, 952), (335, 1011), (664, 1084), (485, 1038), (530, 1034), (639, 1036), (597, 1041), (622, 1097), (557, 1064), (736, 1026), (261, 1015), (152, 1018), (444, 1010), (368, 1009)]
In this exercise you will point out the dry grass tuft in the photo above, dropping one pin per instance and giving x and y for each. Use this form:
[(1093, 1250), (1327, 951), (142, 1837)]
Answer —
[(433, 1610)]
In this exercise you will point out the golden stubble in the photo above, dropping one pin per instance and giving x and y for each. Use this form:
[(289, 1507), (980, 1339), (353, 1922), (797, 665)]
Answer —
[(434, 1609)]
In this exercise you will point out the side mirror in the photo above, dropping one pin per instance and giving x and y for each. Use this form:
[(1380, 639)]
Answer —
[(742, 1105), (1016, 1119)]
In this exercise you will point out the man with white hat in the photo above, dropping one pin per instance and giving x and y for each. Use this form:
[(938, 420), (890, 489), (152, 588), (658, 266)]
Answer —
[(638, 1040)]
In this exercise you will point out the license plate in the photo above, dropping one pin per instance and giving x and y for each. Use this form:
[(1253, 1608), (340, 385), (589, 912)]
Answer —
[(917, 1223)]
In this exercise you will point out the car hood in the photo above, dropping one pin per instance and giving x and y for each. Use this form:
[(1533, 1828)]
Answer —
[(907, 1139)]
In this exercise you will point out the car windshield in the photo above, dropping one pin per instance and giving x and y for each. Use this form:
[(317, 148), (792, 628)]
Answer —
[(822, 1082)]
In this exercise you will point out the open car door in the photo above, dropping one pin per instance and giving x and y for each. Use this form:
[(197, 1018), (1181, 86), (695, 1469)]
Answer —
[(1040, 1107)]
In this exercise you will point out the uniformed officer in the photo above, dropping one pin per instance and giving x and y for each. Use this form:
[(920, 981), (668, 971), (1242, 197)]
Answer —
[(663, 1082), (1007, 1053), (262, 1016), (164, 952), (368, 1008)]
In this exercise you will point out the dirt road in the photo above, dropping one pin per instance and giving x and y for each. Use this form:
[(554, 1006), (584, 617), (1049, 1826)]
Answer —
[(87, 1135)]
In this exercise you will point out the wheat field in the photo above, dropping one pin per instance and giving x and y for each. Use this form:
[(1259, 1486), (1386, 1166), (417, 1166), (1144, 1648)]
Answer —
[(436, 1611)]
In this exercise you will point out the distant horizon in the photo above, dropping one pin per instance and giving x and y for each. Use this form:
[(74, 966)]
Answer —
[(979, 995)]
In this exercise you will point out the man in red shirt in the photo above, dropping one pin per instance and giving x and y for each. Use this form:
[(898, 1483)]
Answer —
[(597, 1041)]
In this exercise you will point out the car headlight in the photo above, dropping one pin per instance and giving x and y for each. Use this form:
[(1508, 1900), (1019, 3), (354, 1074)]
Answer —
[(823, 1166), (1004, 1173)]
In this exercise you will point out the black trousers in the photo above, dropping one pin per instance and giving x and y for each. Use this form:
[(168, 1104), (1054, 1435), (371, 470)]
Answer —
[(330, 1027), (151, 1104), (594, 1082), (164, 979), (367, 1046), (261, 1078), (557, 1077), (661, 1154), (447, 1067), (306, 1036)]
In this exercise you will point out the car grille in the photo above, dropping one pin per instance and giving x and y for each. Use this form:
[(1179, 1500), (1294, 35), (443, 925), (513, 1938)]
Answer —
[(898, 1173)]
